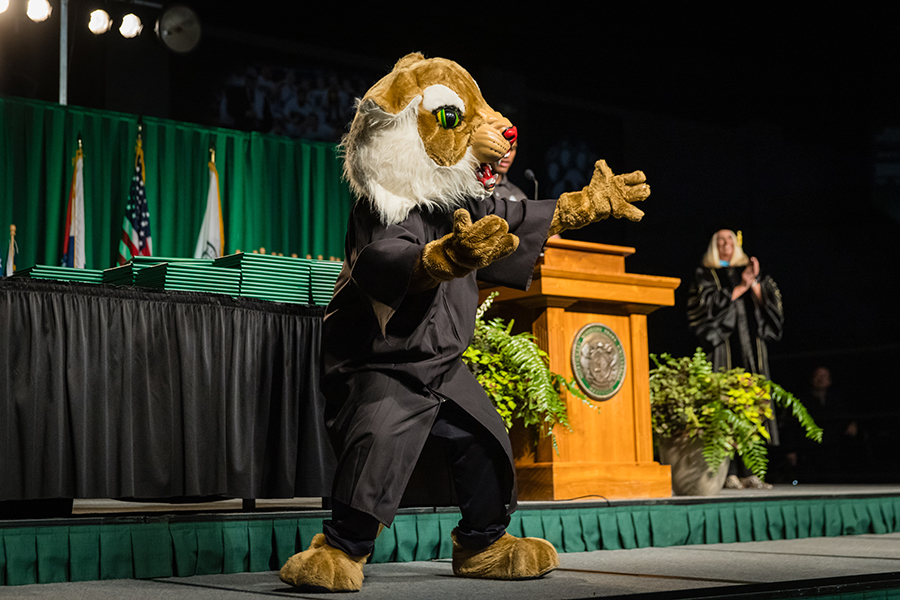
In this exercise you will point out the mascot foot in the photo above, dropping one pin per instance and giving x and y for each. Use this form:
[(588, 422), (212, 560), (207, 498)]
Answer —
[(507, 558), (324, 567)]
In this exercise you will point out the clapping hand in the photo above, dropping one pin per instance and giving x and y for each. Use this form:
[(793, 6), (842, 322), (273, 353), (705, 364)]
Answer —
[(751, 272)]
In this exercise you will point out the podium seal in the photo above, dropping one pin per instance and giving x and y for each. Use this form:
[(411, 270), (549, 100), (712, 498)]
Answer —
[(598, 361)]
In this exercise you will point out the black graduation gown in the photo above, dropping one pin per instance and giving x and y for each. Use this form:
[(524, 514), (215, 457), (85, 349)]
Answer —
[(735, 333), (507, 190), (383, 390)]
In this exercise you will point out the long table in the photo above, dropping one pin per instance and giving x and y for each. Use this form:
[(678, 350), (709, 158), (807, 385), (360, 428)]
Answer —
[(109, 392)]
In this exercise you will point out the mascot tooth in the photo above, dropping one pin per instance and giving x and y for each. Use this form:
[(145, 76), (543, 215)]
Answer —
[(423, 230)]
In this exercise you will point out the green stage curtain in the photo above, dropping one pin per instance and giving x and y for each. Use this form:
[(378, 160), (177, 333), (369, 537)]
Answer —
[(281, 194), (173, 546)]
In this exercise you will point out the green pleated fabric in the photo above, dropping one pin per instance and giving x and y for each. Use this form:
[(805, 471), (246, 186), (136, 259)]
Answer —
[(163, 548), (281, 194)]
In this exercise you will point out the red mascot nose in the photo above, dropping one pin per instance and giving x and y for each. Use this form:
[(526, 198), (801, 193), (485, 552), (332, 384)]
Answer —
[(511, 133)]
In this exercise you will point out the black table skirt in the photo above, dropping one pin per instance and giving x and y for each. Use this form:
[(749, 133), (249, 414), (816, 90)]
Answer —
[(110, 392)]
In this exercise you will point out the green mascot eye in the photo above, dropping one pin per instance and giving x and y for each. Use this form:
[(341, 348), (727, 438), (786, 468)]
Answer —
[(447, 117)]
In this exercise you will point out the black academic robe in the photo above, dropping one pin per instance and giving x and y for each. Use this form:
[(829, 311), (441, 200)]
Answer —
[(735, 333), (507, 190), (391, 357)]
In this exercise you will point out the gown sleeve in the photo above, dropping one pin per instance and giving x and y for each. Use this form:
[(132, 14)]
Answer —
[(712, 315), (379, 260), (770, 313)]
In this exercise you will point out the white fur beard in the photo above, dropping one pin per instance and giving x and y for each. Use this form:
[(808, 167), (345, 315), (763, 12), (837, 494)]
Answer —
[(385, 160)]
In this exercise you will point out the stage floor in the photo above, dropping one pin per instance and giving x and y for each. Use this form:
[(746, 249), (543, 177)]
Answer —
[(845, 566), (812, 567)]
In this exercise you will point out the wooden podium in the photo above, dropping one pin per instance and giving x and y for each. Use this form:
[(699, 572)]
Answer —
[(608, 452)]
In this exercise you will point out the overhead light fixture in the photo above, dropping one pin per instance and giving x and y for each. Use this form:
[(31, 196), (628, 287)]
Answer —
[(178, 28), (38, 10), (131, 26), (4, 4), (100, 22)]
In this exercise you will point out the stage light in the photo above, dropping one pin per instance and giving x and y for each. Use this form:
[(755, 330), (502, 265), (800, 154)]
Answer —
[(4, 4), (100, 22), (38, 10), (131, 26)]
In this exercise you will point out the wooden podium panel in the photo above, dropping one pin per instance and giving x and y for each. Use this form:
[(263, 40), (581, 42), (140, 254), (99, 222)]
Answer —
[(609, 450)]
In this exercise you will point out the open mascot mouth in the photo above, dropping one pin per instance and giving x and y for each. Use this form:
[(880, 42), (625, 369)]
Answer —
[(485, 175), (485, 172)]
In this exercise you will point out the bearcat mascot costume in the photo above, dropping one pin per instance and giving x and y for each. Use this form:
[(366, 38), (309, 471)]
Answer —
[(418, 155)]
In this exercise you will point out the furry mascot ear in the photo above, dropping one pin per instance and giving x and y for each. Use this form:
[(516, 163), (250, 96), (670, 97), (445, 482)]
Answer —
[(393, 92), (408, 60)]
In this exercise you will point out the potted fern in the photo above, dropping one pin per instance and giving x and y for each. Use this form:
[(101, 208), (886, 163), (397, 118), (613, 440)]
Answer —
[(702, 418), (514, 372)]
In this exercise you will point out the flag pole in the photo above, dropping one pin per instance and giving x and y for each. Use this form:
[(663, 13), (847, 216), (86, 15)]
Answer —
[(138, 143), (64, 52), (139, 149)]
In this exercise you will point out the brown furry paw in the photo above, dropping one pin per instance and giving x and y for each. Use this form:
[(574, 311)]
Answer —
[(324, 567), (507, 558)]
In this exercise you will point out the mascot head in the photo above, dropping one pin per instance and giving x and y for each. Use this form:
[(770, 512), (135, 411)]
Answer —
[(424, 136)]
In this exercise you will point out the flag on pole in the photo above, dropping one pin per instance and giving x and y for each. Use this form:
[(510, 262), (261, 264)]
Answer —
[(211, 241), (11, 253), (73, 245), (136, 224)]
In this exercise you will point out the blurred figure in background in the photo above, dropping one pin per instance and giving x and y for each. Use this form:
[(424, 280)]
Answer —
[(735, 312), (842, 448), (504, 188)]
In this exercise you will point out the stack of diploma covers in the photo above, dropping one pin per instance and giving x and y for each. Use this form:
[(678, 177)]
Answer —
[(262, 276), (61, 274)]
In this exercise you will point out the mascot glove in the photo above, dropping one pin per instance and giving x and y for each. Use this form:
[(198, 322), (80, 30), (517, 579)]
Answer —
[(471, 246), (607, 194)]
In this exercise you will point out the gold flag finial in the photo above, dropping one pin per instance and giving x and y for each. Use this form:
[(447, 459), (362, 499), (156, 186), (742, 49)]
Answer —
[(740, 238), (12, 231), (212, 155)]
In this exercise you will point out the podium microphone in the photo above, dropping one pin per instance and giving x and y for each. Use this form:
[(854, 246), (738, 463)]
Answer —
[(529, 175)]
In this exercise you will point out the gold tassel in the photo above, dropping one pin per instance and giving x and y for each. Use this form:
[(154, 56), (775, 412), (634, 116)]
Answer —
[(740, 238)]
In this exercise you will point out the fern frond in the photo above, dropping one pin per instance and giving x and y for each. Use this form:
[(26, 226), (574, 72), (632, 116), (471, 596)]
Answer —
[(785, 399), (715, 446), (518, 365), (485, 305), (755, 457)]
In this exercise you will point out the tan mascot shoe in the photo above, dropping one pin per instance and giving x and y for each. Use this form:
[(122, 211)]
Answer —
[(508, 558), (323, 566)]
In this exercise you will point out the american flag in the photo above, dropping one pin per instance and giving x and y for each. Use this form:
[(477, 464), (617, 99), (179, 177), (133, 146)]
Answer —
[(136, 225)]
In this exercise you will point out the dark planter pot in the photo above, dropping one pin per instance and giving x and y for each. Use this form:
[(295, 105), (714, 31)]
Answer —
[(690, 473)]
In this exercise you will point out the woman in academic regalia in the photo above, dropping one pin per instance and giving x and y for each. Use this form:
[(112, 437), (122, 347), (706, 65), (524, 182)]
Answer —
[(735, 312)]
